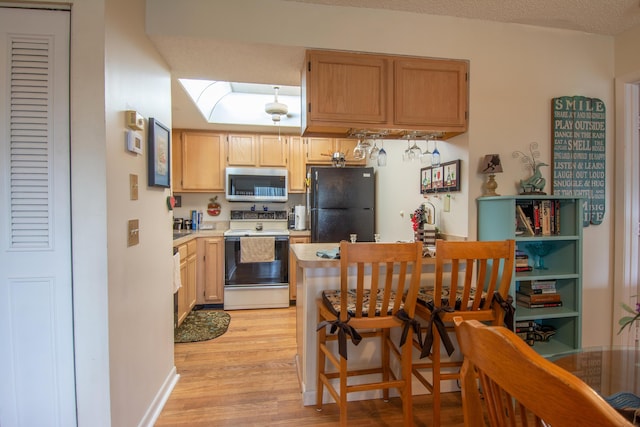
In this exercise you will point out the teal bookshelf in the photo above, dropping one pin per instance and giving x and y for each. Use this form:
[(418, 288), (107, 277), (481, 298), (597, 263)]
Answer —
[(497, 220)]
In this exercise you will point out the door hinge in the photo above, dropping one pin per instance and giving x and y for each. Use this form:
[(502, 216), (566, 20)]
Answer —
[(309, 66), (309, 109)]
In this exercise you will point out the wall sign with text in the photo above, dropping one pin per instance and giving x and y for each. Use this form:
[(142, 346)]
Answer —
[(579, 129)]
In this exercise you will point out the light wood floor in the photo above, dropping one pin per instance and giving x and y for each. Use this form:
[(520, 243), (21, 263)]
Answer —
[(247, 377)]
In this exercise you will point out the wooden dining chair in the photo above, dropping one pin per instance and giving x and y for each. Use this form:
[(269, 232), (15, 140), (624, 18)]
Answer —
[(378, 289), (519, 386), (472, 280)]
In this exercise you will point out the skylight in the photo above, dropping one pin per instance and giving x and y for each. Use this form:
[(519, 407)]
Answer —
[(242, 103)]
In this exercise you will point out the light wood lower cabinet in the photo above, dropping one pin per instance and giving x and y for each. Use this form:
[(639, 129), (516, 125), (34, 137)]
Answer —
[(292, 265), (187, 292), (210, 287)]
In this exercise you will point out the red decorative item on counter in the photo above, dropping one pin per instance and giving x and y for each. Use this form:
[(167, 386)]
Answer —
[(213, 208)]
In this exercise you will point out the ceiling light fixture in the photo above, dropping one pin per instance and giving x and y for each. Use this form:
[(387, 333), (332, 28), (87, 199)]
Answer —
[(276, 109)]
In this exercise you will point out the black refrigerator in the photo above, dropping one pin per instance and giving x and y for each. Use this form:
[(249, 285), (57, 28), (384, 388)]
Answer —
[(341, 202)]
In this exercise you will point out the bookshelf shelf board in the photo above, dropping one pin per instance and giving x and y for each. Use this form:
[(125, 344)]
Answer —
[(552, 238), (545, 313)]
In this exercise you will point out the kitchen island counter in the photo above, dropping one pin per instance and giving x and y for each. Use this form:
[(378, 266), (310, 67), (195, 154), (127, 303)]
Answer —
[(313, 275)]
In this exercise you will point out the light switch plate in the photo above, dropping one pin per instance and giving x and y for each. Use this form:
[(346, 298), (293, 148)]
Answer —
[(133, 233), (133, 186)]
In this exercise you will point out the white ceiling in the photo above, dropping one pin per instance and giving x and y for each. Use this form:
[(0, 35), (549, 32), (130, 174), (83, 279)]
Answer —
[(193, 57)]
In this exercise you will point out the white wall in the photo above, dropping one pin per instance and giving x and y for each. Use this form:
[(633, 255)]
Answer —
[(140, 297), (89, 213), (515, 71)]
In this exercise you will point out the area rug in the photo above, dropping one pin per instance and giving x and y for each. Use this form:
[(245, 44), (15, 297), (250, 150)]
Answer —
[(202, 325)]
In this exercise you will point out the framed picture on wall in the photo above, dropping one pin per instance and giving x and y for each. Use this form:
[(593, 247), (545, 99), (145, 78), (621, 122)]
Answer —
[(451, 176), (445, 177), (159, 166), (425, 180), (436, 178)]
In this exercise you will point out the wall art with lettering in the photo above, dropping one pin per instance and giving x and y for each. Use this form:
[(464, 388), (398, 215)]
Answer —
[(578, 136)]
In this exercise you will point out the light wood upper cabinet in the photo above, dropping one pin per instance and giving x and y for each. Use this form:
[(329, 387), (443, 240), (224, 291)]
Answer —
[(255, 150), (345, 91), (297, 164), (242, 150), (430, 93), (320, 150), (198, 161), (346, 87), (273, 151)]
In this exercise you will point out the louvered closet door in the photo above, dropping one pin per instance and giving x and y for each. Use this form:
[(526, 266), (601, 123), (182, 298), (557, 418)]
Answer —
[(37, 386)]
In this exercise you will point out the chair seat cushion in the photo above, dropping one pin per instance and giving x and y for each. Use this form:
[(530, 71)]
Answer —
[(332, 300), (425, 297)]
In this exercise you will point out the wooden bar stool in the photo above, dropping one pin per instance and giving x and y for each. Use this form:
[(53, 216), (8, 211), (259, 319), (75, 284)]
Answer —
[(374, 277), (476, 287)]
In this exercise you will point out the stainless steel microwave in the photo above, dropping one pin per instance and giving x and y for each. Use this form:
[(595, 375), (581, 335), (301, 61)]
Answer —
[(256, 185)]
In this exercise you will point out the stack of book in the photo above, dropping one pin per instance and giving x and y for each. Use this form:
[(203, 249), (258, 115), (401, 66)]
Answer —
[(531, 331), (538, 294), (522, 261), (525, 329)]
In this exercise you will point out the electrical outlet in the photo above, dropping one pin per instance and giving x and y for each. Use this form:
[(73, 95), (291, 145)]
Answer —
[(133, 186), (133, 233)]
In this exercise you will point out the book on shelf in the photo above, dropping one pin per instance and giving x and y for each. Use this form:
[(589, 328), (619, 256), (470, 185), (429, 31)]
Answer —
[(524, 269), (527, 337), (545, 217), (538, 304), (523, 221), (537, 286), (520, 329), (538, 298), (525, 323), (528, 291)]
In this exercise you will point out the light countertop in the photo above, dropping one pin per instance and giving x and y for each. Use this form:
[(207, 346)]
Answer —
[(186, 236)]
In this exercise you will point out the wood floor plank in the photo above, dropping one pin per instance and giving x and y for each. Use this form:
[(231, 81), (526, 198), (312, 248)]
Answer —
[(247, 377)]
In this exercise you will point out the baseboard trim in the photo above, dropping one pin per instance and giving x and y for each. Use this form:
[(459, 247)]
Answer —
[(153, 412)]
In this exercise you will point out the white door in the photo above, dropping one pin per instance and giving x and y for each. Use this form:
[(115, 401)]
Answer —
[(37, 386)]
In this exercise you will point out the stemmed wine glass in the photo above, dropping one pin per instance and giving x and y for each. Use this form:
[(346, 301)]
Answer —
[(435, 155), (417, 152), (373, 153), (359, 152), (382, 157)]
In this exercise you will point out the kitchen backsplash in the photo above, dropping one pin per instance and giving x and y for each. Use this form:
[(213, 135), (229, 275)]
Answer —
[(199, 201)]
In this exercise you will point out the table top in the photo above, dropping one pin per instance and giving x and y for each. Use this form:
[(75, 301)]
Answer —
[(613, 372)]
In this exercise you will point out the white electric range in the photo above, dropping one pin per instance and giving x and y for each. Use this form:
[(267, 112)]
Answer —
[(256, 260)]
